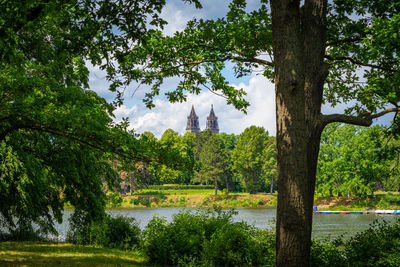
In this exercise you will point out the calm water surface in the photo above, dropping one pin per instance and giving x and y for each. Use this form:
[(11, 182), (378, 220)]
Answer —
[(323, 224)]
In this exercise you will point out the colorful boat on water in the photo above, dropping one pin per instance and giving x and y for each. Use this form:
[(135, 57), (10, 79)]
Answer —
[(397, 212)]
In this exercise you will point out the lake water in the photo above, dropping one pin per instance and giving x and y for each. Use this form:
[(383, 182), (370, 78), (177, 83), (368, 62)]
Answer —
[(323, 224)]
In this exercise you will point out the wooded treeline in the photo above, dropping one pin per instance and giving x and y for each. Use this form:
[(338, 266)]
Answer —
[(245, 162), (354, 161)]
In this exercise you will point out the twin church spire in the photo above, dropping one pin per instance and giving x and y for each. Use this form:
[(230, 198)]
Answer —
[(193, 122)]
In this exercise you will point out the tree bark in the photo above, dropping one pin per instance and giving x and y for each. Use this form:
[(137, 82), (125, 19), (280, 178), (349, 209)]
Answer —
[(299, 47)]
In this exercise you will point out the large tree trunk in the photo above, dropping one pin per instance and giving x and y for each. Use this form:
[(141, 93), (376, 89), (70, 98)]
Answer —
[(299, 47)]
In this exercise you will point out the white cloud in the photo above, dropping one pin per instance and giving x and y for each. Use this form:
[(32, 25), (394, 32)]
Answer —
[(260, 94), (177, 13), (176, 17)]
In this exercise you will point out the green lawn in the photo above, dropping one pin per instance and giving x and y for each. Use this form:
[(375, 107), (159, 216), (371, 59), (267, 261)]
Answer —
[(64, 254), (176, 192)]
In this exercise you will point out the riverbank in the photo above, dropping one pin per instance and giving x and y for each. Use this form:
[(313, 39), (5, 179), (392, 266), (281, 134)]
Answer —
[(193, 199), (204, 198), (65, 254)]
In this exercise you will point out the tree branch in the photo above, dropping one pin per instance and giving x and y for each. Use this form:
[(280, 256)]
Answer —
[(352, 60), (253, 60), (343, 41), (356, 120)]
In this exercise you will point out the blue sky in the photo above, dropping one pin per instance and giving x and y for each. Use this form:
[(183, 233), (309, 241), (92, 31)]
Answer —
[(260, 92)]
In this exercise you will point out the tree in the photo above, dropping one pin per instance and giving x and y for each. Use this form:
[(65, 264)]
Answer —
[(315, 52), (213, 161), (270, 164), (182, 146), (57, 137), (393, 182), (352, 160), (248, 156), (228, 144)]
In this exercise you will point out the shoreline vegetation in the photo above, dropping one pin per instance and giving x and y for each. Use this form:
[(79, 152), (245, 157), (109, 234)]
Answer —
[(205, 198), (201, 238)]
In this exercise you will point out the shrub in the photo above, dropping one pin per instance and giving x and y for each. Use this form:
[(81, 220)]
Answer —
[(179, 187), (206, 237), (119, 232), (115, 199), (145, 201), (22, 233), (377, 246), (239, 244), (182, 199), (325, 252), (169, 243), (134, 201)]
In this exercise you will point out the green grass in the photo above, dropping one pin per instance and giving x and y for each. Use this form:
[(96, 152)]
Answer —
[(380, 200), (175, 192), (64, 254)]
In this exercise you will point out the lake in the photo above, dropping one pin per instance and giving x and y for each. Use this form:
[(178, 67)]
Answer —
[(323, 224)]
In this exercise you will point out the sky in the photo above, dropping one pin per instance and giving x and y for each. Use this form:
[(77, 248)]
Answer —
[(260, 91)]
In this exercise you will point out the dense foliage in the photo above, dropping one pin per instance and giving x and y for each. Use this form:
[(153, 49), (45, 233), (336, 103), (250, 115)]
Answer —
[(212, 238), (377, 246), (249, 156), (119, 232), (353, 161), (57, 137), (207, 238), (356, 161), (246, 162)]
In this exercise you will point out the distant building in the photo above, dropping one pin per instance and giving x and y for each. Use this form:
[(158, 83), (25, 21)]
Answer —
[(193, 122), (212, 121)]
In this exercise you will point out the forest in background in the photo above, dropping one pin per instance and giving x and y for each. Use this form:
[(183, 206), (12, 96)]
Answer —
[(354, 161)]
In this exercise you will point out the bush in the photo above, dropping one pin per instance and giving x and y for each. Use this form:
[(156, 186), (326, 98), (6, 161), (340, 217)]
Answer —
[(119, 232), (145, 201), (206, 237), (115, 199), (325, 252), (238, 244), (377, 246), (169, 243), (179, 187), (24, 233), (134, 201)]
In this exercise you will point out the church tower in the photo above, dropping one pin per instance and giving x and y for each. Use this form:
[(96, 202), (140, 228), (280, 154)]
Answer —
[(193, 122), (212, 121)]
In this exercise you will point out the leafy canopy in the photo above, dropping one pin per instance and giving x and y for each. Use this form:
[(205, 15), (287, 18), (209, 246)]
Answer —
[(57, 137)]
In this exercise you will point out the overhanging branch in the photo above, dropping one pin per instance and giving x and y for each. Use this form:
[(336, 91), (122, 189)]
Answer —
[(356, 120), (352, 60), (344, 41)]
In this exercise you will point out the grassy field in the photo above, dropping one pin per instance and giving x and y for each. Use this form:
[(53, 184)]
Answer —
[(196, 198), (380, 200), (64, 254), (203, 198)]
